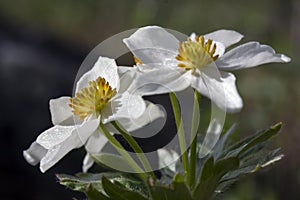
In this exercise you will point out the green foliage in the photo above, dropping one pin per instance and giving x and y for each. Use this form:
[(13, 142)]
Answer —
[(252, 154), (81, 182), (216, 173), (92, 184), (117, 190), (112, 161), (252, 142), (93, 194), (211, 175), (177, 190)]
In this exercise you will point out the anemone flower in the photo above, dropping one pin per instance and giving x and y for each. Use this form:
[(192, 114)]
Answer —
[(101, 97), (200, 62)]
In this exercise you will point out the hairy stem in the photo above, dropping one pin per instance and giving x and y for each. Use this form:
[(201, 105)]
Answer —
[(135, 146), (193, 149), (180, 131), (123, 152)]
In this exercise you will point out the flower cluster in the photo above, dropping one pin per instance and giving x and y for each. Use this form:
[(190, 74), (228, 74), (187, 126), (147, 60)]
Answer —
[(109, 93)]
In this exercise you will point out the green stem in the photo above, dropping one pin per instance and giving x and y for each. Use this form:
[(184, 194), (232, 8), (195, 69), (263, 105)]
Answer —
[(135, 146), (123, 152), (193, 149), (180, 130)]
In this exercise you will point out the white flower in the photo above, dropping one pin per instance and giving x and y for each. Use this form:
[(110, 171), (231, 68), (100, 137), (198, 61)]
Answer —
[(152, 112), (170, 65), (101, 97)]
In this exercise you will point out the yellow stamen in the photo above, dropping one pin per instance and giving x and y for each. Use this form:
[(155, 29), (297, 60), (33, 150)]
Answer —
[(136, 60), (92, 98), (196, 54)]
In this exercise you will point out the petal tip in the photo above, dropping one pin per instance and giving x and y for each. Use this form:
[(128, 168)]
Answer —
[(285, 58), (235, 109), (125, 40), (29, 158), (106, 59), (236, 33), (43, 169)]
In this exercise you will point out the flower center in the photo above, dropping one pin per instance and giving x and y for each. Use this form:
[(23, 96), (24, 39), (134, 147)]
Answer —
[(196, 54), (92, 98)]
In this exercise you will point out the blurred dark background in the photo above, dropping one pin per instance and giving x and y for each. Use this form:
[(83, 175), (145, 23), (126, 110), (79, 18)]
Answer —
[(42, 44)]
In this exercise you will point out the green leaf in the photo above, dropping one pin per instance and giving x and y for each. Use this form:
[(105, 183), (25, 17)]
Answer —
[(253, 163), (178, 178), (226, 165), (207, 170), (83, 181), (250, 162), (261, 137), (204, 188), (112, 161), (211, 175), (218, 149), (119, 192), (81, 184), (257, 139), (93, 194), (258, 157), (175, 191), (272, 161)]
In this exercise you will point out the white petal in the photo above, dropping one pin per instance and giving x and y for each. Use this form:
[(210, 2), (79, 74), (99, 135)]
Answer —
[(55, 135), (123, 69), (34, 154), (127, 75), (96, 142), (58, 134), (149, 67), (220, 50), (61, 112), (87, 162), (160, 81), (234, 102), (220, 88), (248, 55), (85, 130), (226, 37), (123, 106), (105, 68), (60, 140), (212, 136), (193, 36), (54, 155), (220, 47), (169, 63), (152, 44), (167, 158), (151, 113), (94, 145)]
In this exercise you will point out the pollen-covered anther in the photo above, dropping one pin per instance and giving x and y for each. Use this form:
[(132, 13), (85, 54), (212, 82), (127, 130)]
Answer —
[(136, 60), (91, 99), (196, 53)]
